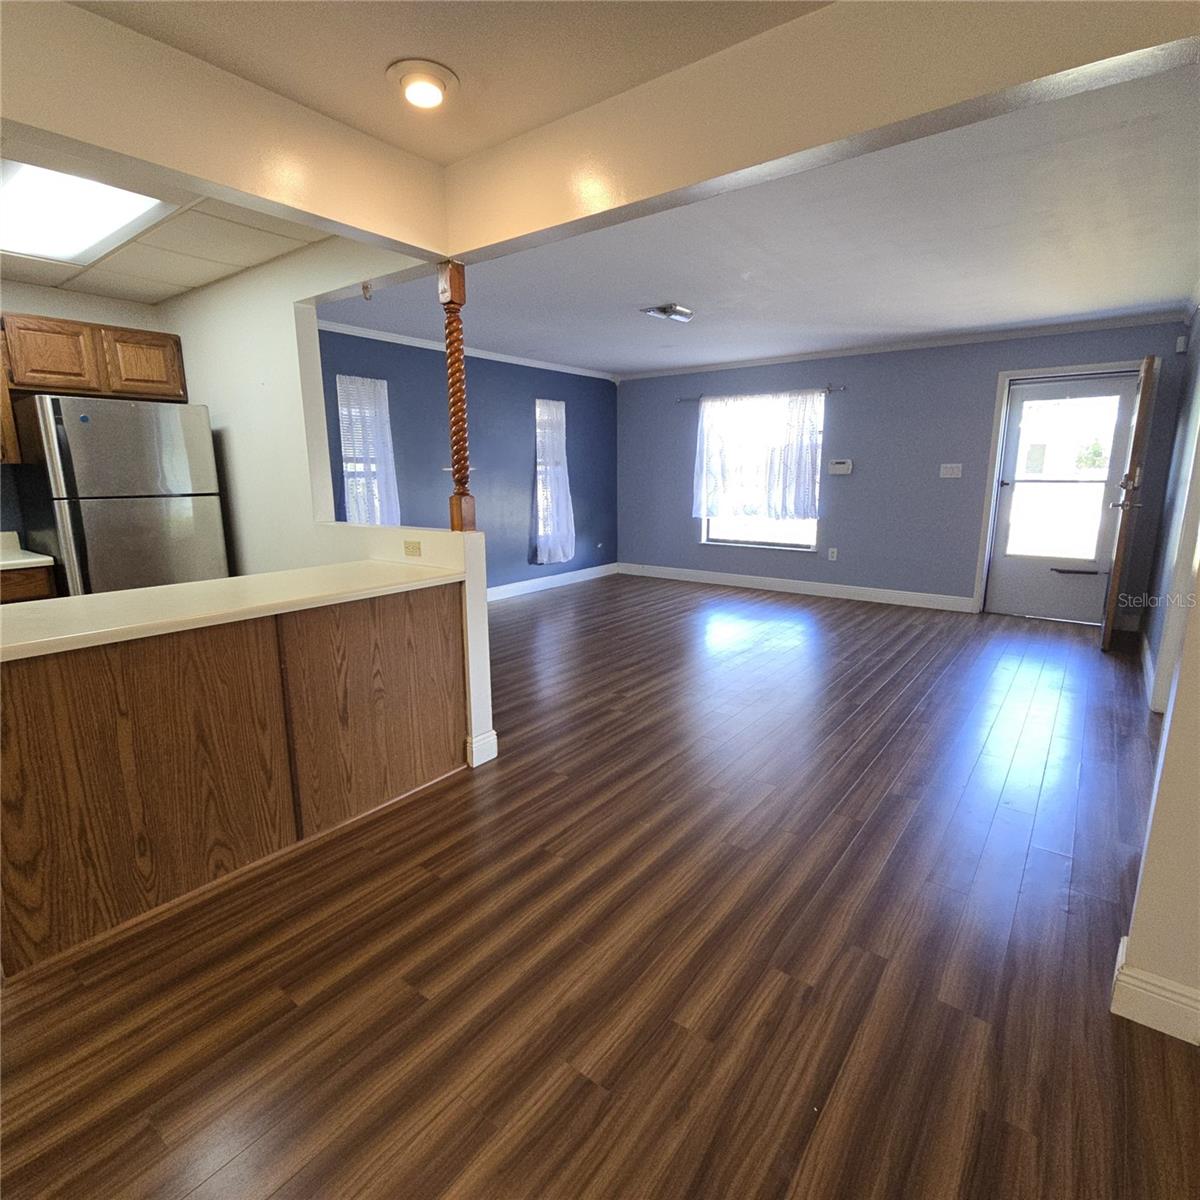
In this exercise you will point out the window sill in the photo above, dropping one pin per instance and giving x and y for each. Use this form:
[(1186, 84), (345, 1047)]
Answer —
[(760, 546)]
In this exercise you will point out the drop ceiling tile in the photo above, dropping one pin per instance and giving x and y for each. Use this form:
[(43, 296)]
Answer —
[(165, 266), (97, 281), (19, 268), (243, 216), (217, 240)]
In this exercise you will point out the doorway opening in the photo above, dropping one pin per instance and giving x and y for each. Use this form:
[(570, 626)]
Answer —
[(1064, 460)]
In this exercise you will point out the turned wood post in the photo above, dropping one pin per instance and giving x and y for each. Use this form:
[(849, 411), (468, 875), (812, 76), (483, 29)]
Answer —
[(452, 294)]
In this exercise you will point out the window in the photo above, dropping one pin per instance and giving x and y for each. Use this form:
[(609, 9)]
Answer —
[(758, 468), (762, 531), (368, 464), (555, 540), (1061, 477)]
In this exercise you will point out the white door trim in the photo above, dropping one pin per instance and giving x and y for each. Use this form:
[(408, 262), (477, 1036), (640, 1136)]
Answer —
[(1183, 574), (999, 417)]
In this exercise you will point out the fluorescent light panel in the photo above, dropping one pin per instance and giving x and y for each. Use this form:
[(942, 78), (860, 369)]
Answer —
[(46, 214)]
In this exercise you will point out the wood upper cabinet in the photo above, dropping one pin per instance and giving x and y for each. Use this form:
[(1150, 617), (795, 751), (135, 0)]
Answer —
[(138, 362), (10, 448), (46, 353), (49, 354)]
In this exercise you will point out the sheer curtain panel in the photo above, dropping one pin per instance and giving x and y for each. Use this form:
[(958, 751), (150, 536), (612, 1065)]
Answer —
[(555, 516), (759, 456), (368, 464)]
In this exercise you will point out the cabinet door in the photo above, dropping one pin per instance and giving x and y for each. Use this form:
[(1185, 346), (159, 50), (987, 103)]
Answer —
[(26, 583), (49, 354), (10, 447), (139, 362)]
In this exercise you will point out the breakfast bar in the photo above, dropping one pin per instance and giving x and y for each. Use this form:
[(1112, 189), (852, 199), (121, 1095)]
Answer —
[(156, 739)]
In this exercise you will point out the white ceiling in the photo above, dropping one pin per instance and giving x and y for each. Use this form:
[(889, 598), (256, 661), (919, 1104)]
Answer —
[(1081, 208), (520, 64), (197, 244)]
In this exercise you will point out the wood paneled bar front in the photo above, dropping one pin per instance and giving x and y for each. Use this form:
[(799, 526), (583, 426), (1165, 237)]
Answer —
[(135, 770)]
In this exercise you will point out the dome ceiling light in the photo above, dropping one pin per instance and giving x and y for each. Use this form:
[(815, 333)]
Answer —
[(422, 83)]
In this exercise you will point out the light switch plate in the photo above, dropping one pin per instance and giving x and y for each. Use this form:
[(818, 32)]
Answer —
[(951, 471)]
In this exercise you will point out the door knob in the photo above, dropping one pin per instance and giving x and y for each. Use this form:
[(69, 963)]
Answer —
[(1124, 505)]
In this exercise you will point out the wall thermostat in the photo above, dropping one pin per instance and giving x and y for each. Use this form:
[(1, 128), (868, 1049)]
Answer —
[(841, 466)]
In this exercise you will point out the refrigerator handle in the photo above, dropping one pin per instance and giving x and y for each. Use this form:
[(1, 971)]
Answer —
[(72, 546)]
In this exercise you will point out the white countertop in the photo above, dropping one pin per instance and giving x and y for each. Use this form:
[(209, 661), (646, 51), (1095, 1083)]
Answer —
[(72, 622), (13, 558)]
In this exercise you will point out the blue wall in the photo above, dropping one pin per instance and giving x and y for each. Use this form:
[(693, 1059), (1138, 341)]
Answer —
[(1176, 490), (10, 505), (894, 522), (502, 451)]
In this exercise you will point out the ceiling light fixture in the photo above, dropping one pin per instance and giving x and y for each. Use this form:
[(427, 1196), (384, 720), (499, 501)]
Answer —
[(422, 83), (46, 214), (670, 312)]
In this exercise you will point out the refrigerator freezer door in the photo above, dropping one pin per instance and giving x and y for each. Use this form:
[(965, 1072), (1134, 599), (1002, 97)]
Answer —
[(108, 545), (103, 448)]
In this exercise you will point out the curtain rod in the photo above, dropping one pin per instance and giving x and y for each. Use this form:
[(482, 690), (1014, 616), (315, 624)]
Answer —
[(829, 387)]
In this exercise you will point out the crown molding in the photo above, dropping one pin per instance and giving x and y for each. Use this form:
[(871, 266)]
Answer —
[(964, 339), (400, 339)]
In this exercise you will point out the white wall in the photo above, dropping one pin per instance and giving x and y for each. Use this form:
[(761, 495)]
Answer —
[(78, 306), (82, 79), (1158, 979), (246, 360), (787, 100), (836, 74)]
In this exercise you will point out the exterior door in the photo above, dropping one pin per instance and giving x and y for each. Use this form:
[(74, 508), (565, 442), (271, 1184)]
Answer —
[(1066, 447), (1128, 505)]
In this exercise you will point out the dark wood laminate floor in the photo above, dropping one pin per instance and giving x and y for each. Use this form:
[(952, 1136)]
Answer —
[(768, 896)]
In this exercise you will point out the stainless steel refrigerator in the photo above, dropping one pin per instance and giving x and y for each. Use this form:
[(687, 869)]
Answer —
[(122, 493)]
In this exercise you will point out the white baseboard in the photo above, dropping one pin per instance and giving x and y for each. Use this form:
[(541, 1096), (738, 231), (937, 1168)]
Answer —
[(1162, 1004), (1148, 672), (523, 586), (482, 748), (806, 588)]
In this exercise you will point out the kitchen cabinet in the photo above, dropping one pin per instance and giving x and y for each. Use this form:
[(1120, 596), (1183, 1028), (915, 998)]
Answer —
[(376, 700), (26, 583), (136, 771), (138, 362), (10, 448), (48, 354)]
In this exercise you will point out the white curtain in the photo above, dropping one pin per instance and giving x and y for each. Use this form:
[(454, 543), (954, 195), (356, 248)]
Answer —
[(555, 516), (759, 456), (368, 464)]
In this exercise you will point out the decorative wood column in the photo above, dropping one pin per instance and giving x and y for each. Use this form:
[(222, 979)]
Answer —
[(452, 294)]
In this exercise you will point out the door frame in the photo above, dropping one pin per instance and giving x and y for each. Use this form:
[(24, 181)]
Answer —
[(999, 421)]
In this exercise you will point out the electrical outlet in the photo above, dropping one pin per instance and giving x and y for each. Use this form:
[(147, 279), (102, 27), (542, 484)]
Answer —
[(831, 553), (412, 549)]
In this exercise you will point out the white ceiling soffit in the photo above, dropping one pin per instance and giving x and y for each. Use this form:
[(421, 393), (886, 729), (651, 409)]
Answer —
[(1082, 208), (198, 244), (521, 64)]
